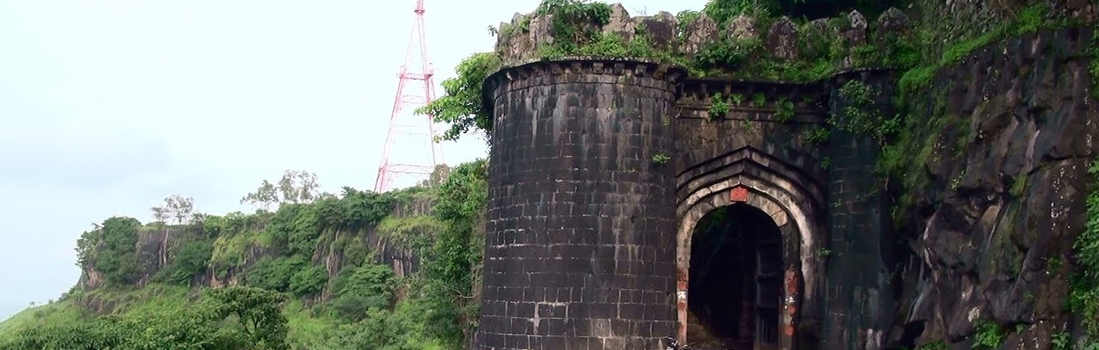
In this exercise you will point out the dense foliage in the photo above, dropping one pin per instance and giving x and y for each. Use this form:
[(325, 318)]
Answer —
[(111, 248), (235, 318), (1084, 299), (453, 269), (319, 250), (579, 22), (723, 10), (461, 105)]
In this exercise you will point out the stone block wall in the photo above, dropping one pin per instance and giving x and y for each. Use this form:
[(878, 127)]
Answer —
[(580, 242), (858, 299), (750, 121)]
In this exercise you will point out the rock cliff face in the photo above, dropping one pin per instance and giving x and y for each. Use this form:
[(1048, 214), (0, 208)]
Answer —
[(385, 244), (1003, 162)]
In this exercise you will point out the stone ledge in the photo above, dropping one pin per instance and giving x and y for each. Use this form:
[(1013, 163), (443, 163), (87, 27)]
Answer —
[(588, 65), (580, 65)]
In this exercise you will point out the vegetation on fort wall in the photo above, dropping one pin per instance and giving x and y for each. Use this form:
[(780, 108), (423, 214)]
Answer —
[(821, 52), (909, 137), (272, 254), (462, 105)]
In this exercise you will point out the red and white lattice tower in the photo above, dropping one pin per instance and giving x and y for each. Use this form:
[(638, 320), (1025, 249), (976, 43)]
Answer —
[(407, 100)]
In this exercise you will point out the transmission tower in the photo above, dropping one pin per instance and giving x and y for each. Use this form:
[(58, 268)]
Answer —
[(415, 54)]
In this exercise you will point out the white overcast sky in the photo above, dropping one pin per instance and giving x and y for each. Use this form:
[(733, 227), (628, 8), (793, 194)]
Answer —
[(107, 107)]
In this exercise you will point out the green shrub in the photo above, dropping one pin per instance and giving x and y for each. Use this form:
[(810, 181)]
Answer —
[(358, 290), (275, 273), (989, 335), (190, 261), (308, 281), (111, 249)]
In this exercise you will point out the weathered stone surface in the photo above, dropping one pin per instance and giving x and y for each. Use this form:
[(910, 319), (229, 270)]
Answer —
[(976, 247), (750, 145), (512, 42), (892, 20), (742, 27), (580, 234), (856, 33), (620, 22), (661, 28), (541, 29), (1005, 207), (819, 25), (859, 301), (700, 32), (782, 39)]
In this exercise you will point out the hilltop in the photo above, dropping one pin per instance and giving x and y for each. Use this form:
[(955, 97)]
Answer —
[(355, 270)]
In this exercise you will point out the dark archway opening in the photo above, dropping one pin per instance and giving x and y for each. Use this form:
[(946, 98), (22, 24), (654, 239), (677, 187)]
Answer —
[(735, 282)]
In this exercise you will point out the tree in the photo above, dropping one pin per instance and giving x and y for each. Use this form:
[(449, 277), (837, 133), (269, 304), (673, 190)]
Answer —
[(452, 264), (462, 105), (175, 206), (308, 190), (199, 218), (258, 312), (286, 186), (437, 176), (180, 207), (264, 197), (160, 214), (308, 281), (371, 286), (111, 250), (298, 186)]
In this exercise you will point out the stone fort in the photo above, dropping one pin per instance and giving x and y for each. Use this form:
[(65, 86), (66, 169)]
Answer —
[(626, 212)]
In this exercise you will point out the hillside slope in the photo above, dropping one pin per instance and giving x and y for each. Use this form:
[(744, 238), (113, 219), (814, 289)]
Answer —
[(358, 270)]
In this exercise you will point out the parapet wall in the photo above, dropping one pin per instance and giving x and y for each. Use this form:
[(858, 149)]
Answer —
[(528, 36)]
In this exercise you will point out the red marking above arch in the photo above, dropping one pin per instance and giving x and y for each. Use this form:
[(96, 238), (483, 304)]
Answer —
[(739, 194)]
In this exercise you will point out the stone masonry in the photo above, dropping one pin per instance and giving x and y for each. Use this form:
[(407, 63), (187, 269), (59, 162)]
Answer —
[(601, 169), (580, 242)]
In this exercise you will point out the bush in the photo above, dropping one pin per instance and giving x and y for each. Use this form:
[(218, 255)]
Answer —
[(189, 262), (112, 250), (275, 274), (308, 281)]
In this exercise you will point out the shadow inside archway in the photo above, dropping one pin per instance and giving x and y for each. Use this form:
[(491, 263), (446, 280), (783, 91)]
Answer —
[(735, 280)]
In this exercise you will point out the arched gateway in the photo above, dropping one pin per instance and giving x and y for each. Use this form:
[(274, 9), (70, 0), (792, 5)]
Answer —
[(777, 271), (624, 215)]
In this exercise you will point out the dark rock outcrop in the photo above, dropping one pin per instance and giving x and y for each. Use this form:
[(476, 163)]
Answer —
[(782, 39), (1007, 184)]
